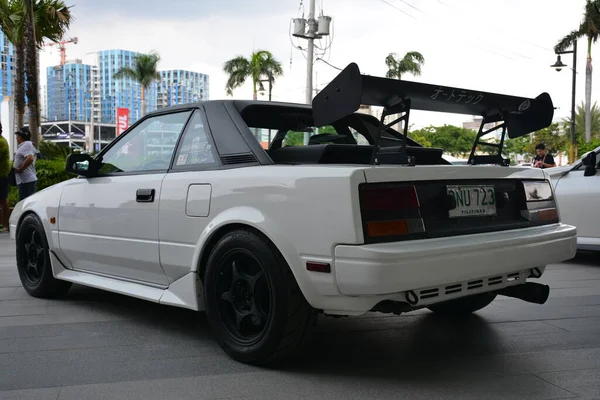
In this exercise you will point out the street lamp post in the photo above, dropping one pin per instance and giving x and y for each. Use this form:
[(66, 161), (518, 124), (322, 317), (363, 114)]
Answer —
[(558, 65)]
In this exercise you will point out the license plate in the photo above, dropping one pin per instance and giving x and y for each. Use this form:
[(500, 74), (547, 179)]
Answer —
[(472, 201)]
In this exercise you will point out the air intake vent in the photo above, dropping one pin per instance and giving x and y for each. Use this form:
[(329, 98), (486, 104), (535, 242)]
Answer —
[(239, 159), (497, 280), (448, 292)]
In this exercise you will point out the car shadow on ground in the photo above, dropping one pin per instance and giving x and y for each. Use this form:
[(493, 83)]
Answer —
[(160, 318), (413, 347), (586, 258)]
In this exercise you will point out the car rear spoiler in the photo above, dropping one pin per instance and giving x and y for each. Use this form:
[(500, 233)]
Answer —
[(349, 90)]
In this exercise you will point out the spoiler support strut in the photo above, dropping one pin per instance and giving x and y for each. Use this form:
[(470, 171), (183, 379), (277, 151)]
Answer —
[(402, 108), (493, 158)]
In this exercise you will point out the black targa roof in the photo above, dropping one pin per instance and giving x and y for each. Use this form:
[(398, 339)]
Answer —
[(344, 95)]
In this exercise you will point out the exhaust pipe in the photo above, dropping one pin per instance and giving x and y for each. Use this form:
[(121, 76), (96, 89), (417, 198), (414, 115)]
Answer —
[(530, 292)]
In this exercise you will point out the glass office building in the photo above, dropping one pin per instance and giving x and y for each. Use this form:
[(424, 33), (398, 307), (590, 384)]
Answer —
[(7, 66), (181, 87), (68, 91), (122, 92), (78, 92)]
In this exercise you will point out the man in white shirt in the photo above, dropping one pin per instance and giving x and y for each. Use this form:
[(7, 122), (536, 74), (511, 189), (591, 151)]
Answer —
[(25, 164)]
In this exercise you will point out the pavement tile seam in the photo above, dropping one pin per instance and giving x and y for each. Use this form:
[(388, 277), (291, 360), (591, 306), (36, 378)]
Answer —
[(575, 395), (71, 349), (538, 320), (554, 326)]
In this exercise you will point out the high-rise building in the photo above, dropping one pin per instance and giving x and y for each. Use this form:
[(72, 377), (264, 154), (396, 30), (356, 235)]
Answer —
[(7, 66), (90, 93), (122, 92), (68, 92), (181, 87)]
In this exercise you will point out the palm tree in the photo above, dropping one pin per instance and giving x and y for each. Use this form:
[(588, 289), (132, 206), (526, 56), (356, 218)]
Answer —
[(144, 72), (580, 117), (589, 27), (261, 64), (51, 19), (411, 63)]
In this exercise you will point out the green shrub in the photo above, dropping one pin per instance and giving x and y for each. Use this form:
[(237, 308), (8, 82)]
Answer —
[(583, 147), (13, 196), (53, 151), (50, 172)]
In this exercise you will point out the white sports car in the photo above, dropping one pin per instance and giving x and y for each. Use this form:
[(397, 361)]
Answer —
[(187, 209), (577, 189)]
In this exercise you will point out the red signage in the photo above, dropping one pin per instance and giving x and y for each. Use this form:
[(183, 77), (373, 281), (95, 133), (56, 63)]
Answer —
[(122, 120)]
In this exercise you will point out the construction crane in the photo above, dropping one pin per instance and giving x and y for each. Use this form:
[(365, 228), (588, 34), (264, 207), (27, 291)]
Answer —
[(62, 48)]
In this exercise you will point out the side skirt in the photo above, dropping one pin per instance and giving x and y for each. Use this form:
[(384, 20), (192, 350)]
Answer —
[(182, 293)]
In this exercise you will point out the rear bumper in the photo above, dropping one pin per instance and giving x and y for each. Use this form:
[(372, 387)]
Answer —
[(391, 268)]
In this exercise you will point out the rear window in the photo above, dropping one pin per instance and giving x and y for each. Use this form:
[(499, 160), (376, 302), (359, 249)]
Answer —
[(287, 125)]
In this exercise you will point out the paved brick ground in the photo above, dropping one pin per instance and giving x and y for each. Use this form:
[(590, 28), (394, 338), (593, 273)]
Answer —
[(97, 345)]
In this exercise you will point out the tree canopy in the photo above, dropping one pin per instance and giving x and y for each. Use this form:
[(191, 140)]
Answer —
[(411, 63), (589, 27), (260, 65), (454, 140)]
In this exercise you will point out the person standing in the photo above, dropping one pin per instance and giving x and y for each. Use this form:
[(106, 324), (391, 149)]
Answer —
[(543, 159), (4, 171), (25, 164)]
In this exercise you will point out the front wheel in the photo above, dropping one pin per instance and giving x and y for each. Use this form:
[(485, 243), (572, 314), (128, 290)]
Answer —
[(253, 303), (464, 305), (33, 261)]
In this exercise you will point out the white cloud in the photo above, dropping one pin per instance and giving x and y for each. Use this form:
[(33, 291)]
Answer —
[(501, 46)]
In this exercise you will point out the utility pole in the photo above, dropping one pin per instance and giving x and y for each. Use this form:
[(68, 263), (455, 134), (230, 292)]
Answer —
[(310, 29), (92, 92), (310, 35)]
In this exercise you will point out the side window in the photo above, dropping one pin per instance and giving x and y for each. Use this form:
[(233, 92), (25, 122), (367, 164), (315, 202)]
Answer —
[(195, 149), (323, 135), (148, 147)]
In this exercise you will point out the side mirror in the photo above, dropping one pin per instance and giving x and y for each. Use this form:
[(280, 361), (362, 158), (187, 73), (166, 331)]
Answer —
[(80, 164), (590, 164), (586, 158)]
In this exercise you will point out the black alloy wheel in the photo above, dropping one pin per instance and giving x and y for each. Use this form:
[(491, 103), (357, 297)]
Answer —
[(244, 296), (33, 260), (253, 303)]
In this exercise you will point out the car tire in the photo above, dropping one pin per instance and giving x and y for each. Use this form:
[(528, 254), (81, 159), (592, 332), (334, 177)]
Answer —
[(464, 305), (33, 261), (253, 303)]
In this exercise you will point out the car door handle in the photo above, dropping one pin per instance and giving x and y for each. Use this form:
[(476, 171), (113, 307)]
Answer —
[(144, 195)]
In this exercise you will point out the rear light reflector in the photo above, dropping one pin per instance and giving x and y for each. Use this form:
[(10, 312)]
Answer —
[(395, 227), (387, 228), (318, 267), (546, 214)]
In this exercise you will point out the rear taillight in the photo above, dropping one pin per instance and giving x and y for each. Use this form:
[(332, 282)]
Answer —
[(379, 197), (540, 205), (390, 212)]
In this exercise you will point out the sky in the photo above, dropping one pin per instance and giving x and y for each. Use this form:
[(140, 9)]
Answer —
[(502, 46)]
